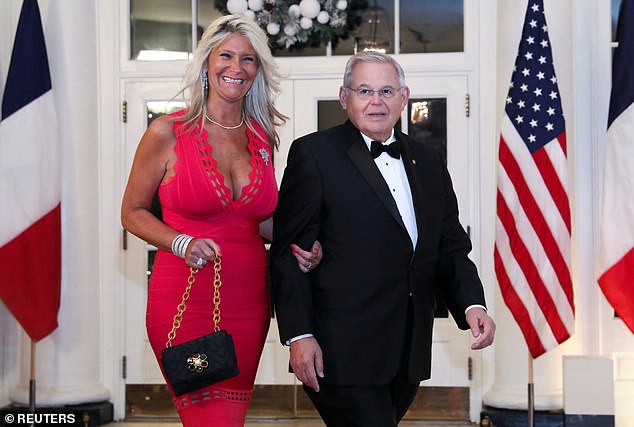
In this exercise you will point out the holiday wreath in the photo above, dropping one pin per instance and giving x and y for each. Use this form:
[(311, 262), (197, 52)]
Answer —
[(295, 24)]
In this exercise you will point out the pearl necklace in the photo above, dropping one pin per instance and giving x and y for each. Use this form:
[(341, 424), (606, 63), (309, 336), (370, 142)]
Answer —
[(223, 126)]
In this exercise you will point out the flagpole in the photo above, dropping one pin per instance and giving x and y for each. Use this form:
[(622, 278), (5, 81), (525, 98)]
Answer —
[(32, 380), (531, 393)]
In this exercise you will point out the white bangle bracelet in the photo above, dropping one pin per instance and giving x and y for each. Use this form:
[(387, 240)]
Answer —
[(180, 244)]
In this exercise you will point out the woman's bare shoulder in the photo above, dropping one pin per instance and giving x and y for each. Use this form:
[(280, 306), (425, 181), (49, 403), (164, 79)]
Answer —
[(162, 129), (159, 138)]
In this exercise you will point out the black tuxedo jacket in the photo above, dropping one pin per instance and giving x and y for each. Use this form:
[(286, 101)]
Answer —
[(355, 302)]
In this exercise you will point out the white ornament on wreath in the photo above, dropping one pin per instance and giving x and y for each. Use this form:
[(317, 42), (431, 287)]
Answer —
[(309, 8), (290, 30), (294, 11), (237, 7), (306, 23), (273, 28), (256, 5), (323, 17), (294, 22)]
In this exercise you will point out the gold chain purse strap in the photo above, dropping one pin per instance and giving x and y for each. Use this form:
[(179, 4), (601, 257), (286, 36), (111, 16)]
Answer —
[(178, 317)]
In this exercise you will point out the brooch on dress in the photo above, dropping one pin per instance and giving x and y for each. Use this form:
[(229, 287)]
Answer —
[(265, 156)]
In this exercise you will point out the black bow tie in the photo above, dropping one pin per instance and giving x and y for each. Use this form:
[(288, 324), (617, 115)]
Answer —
[(393, 149)]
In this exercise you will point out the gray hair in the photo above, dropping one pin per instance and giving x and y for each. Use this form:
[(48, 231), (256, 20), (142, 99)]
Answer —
[(258, 105), (371, 56)]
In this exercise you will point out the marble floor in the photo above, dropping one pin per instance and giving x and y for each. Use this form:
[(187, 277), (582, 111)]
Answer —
[(284, 406)]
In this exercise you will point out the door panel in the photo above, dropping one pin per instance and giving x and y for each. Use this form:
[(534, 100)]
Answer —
[(273, 368), (145, 101)]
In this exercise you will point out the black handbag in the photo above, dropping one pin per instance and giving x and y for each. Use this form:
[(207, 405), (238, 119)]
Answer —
[(203, 361)]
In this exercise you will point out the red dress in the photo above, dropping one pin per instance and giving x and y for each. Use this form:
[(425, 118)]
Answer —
[(196, 202)]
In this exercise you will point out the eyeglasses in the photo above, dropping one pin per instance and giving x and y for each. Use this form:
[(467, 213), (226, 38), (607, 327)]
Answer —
[(367, 93)]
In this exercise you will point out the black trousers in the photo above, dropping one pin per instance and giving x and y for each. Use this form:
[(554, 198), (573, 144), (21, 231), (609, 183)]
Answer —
[(375, 406), (380, 406)]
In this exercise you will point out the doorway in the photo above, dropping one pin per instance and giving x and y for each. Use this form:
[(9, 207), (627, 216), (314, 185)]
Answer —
[(435, 115)]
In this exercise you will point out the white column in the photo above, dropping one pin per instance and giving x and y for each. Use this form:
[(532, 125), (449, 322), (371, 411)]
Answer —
[(69, 362)]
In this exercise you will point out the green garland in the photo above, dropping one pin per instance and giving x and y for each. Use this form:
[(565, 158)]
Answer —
[(286, 26)]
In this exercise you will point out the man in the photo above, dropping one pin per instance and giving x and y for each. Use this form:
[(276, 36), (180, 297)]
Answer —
[(360, 324)]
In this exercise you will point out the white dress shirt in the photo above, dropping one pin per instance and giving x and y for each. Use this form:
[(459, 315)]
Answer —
[(393, 172)]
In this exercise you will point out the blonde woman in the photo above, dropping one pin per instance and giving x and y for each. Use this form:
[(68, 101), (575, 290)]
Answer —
[(212, 165)]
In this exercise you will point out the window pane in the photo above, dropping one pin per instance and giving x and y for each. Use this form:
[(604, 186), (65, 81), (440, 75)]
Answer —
[(376, 30), (428, 122), (616, 4), (432, 26), (207, 13), (156, 109), (329, 114), (160, 29)]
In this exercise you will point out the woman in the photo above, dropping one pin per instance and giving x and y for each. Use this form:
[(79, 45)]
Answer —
[(212, 164)]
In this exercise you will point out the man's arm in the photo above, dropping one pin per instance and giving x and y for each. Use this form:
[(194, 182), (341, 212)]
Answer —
[(456, 275), (296, 221)]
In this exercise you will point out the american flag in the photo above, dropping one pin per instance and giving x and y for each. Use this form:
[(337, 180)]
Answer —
[(532, 242)]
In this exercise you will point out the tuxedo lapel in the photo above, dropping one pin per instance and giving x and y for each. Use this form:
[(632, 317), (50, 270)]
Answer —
[(416, 186), (360, 156)]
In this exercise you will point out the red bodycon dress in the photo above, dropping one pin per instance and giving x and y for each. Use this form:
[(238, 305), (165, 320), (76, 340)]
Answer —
[(196, 202)]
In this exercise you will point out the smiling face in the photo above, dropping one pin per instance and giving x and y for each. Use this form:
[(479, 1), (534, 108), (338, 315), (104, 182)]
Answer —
[(375, 117), (232, 67)]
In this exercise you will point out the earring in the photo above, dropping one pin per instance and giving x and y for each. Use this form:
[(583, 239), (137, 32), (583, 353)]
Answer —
[(204, 82)]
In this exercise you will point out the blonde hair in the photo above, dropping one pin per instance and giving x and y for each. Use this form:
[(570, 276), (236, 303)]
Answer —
[(258, 104)]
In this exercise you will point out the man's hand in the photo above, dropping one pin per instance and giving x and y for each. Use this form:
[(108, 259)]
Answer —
[(307, 361), (482, 327)]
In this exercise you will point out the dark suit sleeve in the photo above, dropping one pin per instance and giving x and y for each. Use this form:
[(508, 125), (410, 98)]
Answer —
[(456, 275), (296, 220)]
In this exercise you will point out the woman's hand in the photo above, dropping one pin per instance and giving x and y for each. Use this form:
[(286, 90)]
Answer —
[(200, 252), (308, 260)]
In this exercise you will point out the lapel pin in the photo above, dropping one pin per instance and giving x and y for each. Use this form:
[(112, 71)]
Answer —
[(413, 161)]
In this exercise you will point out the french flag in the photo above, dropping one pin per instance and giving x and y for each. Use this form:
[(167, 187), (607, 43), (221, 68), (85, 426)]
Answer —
[(616, 250), (30, 222)]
